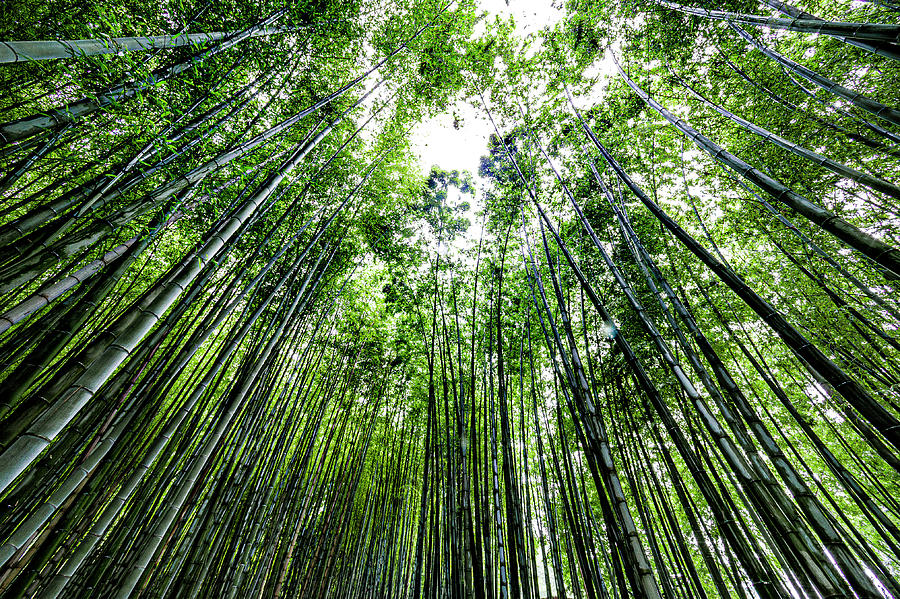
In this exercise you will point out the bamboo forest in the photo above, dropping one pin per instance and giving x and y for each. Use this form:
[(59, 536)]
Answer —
[(634, 333)]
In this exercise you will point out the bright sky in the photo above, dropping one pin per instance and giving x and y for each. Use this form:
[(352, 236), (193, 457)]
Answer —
[(436, 141)]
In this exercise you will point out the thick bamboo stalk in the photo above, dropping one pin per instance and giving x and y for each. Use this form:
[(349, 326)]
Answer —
[(864, 31), (48, 294), (878, 251), (28, 51), (887, 50), (880, 110), (843, 170)]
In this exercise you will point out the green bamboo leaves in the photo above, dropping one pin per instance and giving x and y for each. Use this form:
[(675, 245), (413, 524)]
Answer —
[(250, 348)]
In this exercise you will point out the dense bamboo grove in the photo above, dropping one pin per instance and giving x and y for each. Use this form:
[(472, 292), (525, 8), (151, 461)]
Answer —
[(247, 349)]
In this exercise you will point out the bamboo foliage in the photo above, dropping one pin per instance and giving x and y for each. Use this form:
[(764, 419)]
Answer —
[(247, 349)]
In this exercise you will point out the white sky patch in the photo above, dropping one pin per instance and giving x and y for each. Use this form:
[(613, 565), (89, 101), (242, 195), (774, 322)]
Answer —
[(436, 141)]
